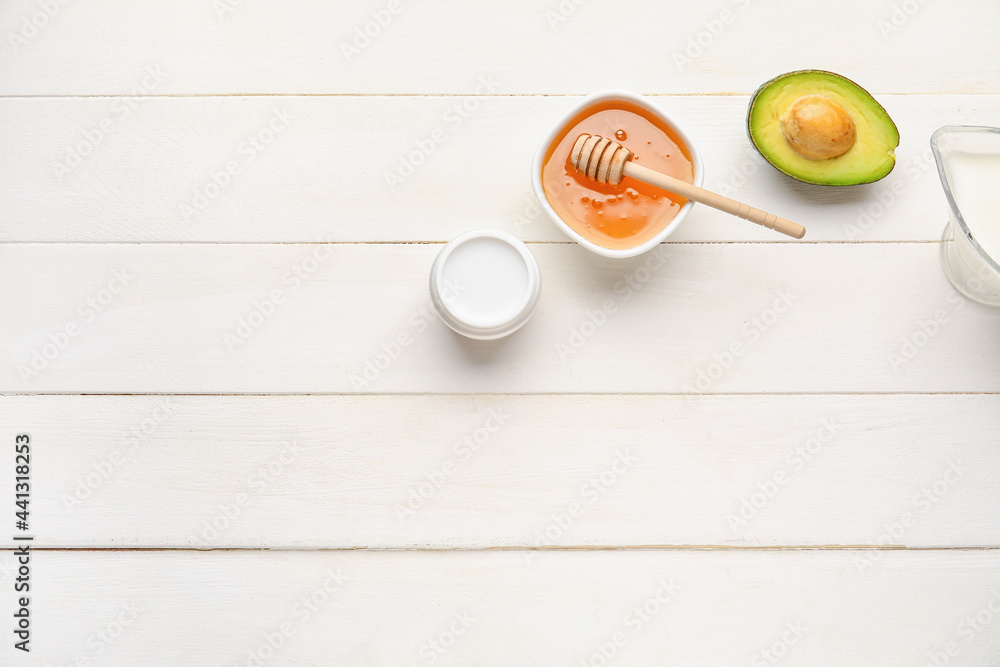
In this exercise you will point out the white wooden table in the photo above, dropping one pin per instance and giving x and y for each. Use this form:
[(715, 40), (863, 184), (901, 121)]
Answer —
[(217, 221)]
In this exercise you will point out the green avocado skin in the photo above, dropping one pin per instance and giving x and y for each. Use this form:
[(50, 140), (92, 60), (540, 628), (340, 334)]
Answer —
[(806, 178)]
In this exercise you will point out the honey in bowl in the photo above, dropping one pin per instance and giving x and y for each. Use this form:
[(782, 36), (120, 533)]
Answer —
[(626, 215)]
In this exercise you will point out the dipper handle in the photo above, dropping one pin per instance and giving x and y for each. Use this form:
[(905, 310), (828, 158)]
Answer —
[(607, 161), (713, 199)]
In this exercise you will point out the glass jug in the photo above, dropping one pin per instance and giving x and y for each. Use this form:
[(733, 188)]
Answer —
[(968, 162)]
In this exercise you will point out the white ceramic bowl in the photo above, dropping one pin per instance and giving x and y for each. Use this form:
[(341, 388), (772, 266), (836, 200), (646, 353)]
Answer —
[(638, 100)]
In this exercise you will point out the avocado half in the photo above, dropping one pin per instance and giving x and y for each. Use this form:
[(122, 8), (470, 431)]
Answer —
[(820, 127)]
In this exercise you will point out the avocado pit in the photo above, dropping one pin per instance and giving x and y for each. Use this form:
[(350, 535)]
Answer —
[(818, 128)]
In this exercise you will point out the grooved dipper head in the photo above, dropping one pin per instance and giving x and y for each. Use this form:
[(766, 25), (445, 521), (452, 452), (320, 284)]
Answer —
[(599, 159)]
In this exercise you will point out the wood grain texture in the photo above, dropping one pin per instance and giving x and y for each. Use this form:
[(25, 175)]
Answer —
[(716, 318), (385, 608), (508, 471), (529, 47), (328, 173), (167, 169)]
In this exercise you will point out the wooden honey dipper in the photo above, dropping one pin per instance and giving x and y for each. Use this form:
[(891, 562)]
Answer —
[(606, 161)]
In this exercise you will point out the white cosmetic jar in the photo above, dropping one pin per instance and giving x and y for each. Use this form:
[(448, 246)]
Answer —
[(485, 284)]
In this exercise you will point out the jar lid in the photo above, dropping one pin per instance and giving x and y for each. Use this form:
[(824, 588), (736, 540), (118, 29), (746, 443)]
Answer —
[(485, 284)]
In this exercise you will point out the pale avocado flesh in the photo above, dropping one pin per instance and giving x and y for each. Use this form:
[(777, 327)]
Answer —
[(871, 156)]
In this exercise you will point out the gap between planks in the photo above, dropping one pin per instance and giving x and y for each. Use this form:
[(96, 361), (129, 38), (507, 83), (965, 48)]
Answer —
[(443, 241), (390, 394), (462, 95), (640, 547)]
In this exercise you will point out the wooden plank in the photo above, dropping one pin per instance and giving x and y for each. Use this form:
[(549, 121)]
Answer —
[(342, 169), (508, 471), (715, 318), (403, 608), (529, 47), (264, 471)]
